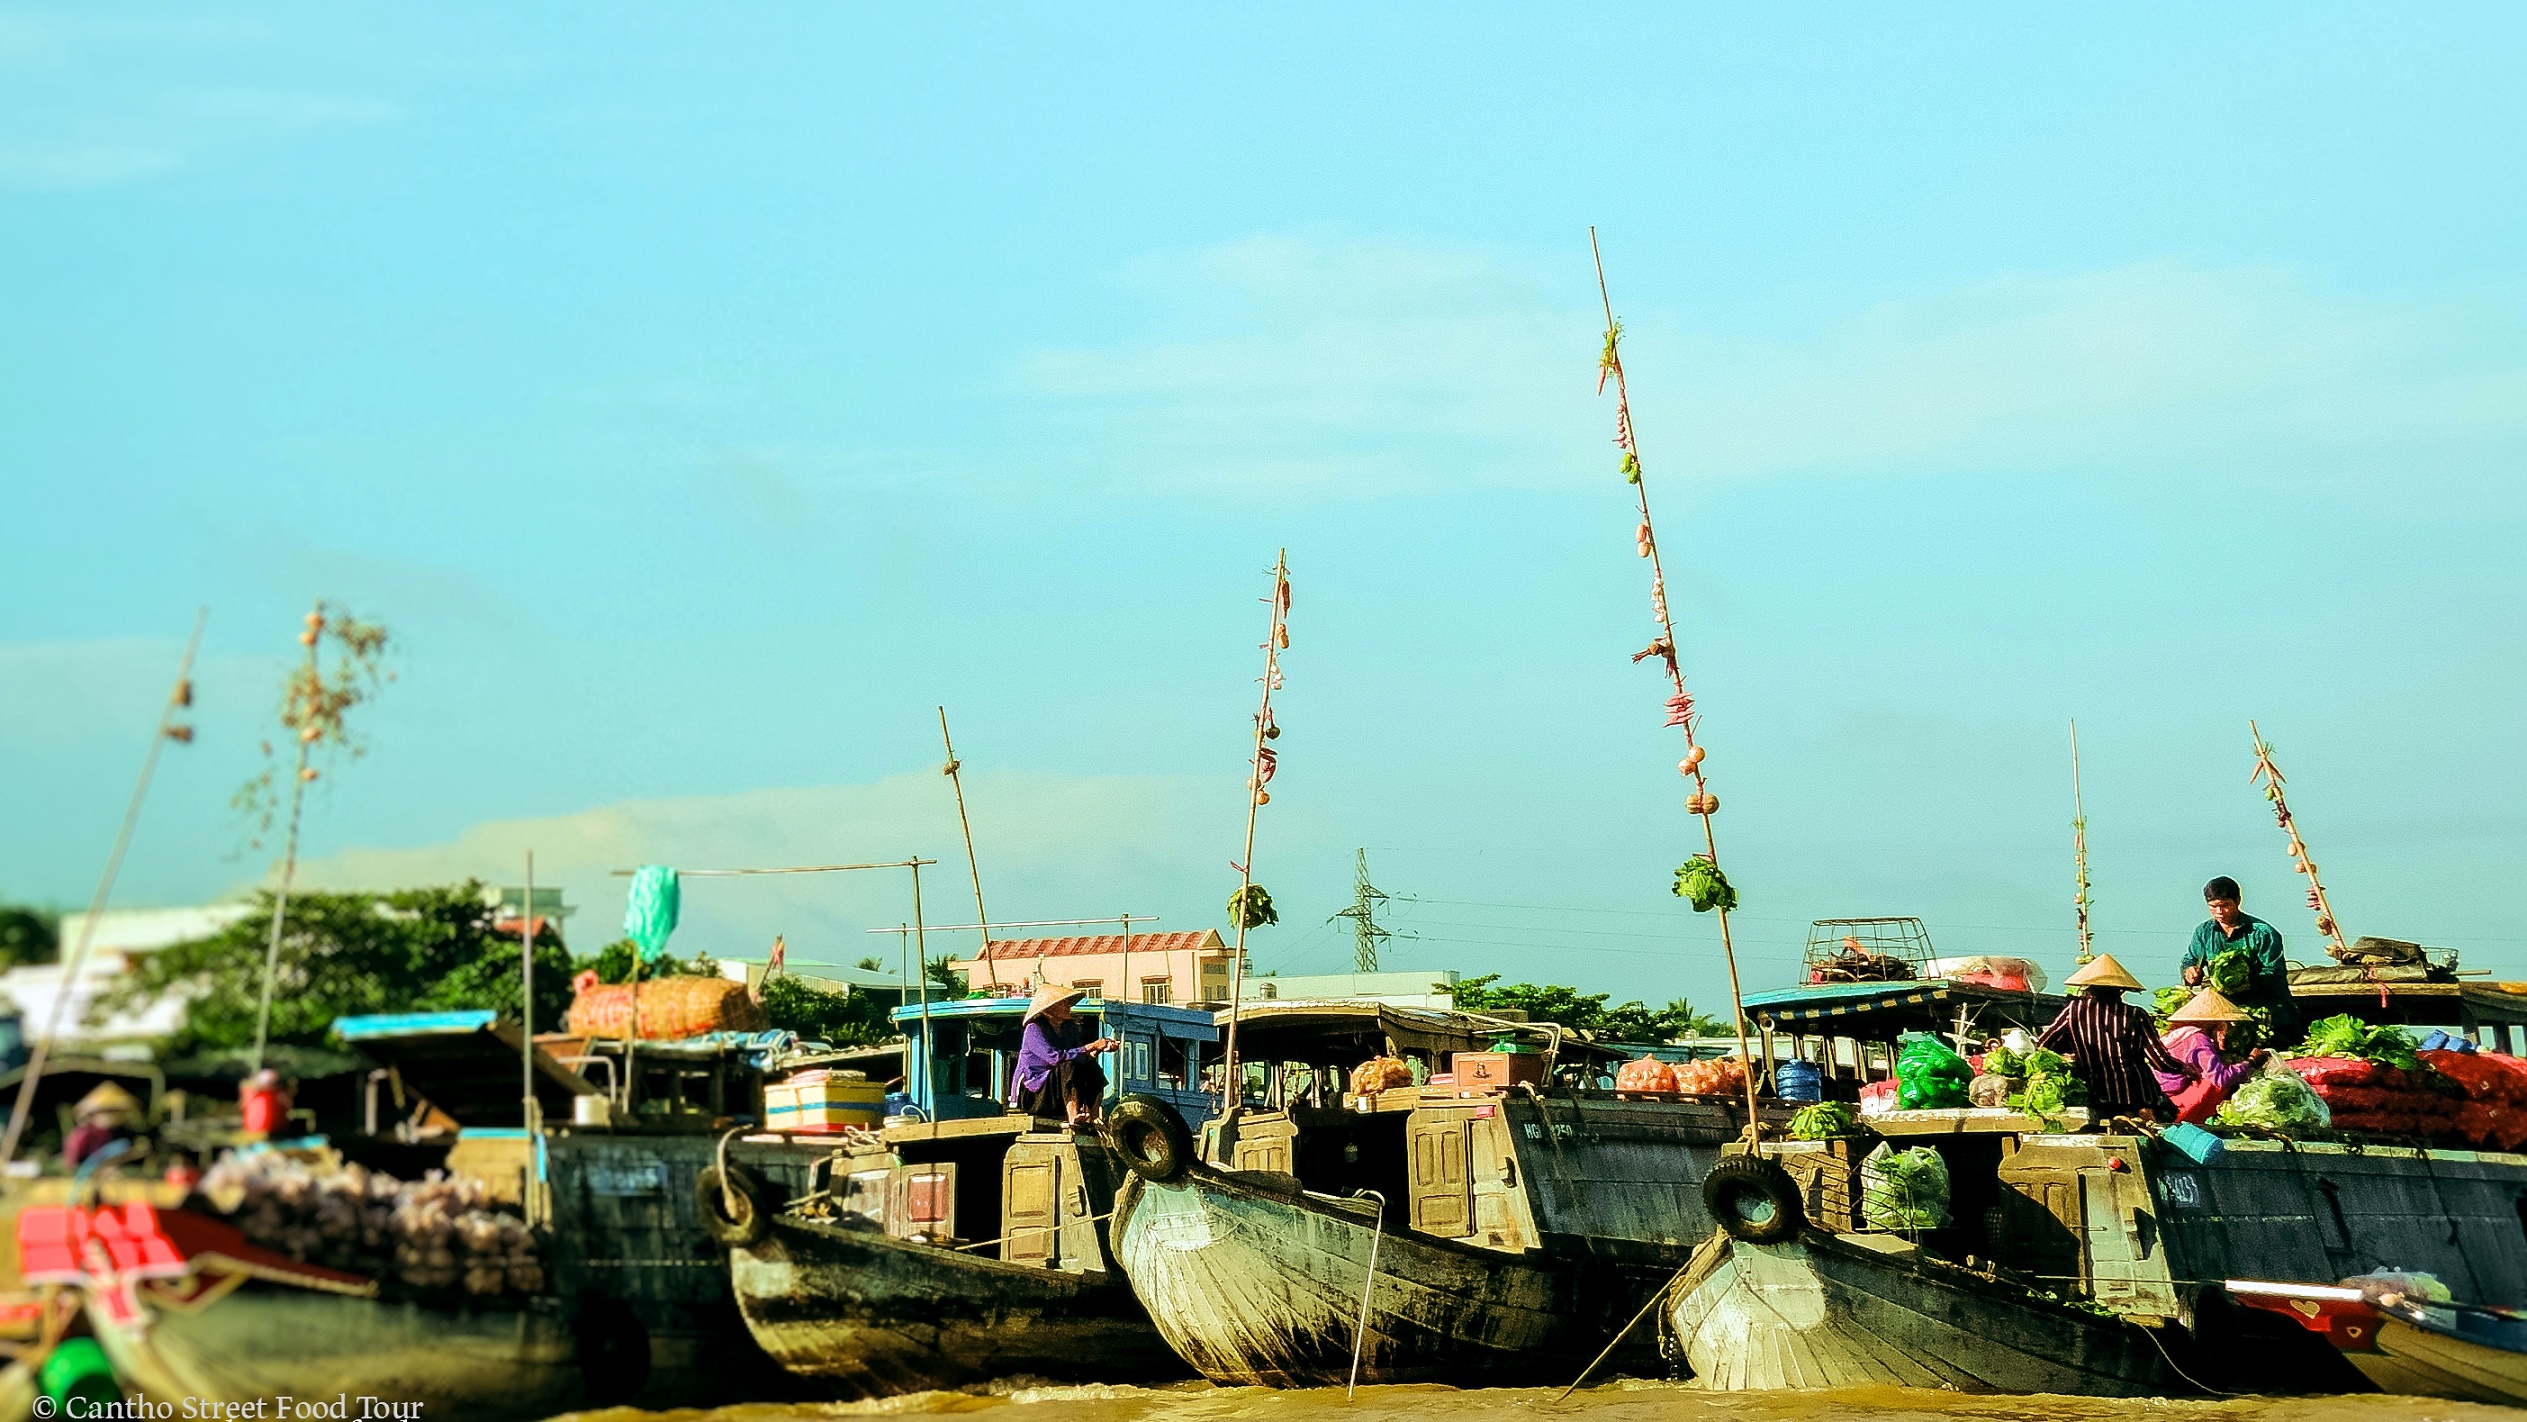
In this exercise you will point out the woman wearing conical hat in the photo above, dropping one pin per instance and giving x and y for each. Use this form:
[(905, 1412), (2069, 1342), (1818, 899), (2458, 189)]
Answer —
[(103, 1116), (2112, 1046), (2198, 1035), (1058, 1077)]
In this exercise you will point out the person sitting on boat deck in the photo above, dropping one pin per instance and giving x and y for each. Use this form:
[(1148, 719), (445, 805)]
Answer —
[(2112, 1046), (1058, 1077), (2198, 1034), (103, 1117), (2267, 972)]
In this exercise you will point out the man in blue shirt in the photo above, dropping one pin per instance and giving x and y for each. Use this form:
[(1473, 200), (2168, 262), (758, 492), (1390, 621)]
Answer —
[(2268, 974)]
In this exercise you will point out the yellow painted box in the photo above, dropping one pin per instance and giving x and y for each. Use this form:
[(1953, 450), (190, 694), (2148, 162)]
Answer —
[(824, 1105)]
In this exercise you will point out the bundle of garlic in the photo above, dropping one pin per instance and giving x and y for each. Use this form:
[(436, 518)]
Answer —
[(435, 1235)]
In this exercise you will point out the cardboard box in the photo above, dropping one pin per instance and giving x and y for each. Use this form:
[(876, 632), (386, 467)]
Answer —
[(1477, 1072), (822, 1105)]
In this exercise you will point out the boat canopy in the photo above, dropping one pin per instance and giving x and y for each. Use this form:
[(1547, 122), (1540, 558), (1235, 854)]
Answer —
[(2405, 997), (1879, 1011), (1345, 1033), (464, 1063), (973, 1048)]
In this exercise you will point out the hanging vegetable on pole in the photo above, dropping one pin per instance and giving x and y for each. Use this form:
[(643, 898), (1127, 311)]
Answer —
[(2270, 774), (2079, 851), (1251, 906), (1699, 881)]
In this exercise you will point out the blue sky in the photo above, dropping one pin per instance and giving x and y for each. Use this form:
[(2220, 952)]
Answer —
[(704, 399)]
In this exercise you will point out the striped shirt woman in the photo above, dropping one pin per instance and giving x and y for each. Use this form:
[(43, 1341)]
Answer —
[(2114, 1049)]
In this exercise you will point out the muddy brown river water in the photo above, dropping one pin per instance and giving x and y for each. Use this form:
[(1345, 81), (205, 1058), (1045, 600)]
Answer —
[(1620, 1402)]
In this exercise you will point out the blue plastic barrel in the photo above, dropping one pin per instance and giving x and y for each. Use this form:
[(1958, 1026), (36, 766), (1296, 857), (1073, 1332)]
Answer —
[(1799, 1081)]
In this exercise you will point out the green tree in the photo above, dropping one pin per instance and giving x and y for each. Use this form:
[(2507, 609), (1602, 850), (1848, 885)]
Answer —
[(344, 954), (944, 979), (843, 1019), (28, 935), (1588, 1012)]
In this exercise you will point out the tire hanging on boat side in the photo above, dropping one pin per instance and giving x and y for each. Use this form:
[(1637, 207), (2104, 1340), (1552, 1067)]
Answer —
[(1150, 1138), (749, 1224), (1754, 1200)]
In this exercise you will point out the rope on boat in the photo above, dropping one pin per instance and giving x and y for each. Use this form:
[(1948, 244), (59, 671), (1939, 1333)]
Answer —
[(1034, 1229), (1625, 1331), (1360, 1329)]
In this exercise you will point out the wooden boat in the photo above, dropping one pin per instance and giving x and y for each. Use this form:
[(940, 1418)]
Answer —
[(965, 1247), (2406, 1345), (184, 1306), (1515, 1229), (1820, 1310), (1255, 1280)]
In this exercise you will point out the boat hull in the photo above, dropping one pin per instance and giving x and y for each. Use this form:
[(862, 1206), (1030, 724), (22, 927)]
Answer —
[(1254, 1281), (264, 1341), (868, 1315), (1819, 1311)]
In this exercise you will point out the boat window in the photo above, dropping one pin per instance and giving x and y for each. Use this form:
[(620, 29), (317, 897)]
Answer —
[(2522, 1214), (1171, 1063), (1136, 1064)]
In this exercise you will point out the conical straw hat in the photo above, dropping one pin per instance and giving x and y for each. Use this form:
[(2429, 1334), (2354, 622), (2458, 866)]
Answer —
[(2209, 1006), (2103, 971), (1048, 997), (107, 1100)]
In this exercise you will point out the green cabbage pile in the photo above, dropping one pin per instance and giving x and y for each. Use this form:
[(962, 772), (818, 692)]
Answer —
[(2276, 1101), (1823, 1122), (1904, 1189), (2348, 1036)]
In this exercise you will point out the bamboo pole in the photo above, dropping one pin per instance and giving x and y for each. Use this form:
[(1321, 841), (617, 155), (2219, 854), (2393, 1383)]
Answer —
[(2269, 773), (526, 1044), (2079, 849), (1702, 804), (972, 865), (1232, 1095), (179, 697), (314, 639)]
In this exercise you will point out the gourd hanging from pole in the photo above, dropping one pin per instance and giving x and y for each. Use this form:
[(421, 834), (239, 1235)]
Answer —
[(1700, 881)]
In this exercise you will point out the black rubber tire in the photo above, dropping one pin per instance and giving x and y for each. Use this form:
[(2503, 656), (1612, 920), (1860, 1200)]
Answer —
[(749, 1225), (1149, 1138), (1754, 1200)]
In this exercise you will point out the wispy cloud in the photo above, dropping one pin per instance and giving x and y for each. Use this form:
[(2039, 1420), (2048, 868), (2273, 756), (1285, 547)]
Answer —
[(1051, 847), (1290, 362)]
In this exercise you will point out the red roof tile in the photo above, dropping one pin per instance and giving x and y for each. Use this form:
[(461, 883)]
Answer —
[(1005, 949)]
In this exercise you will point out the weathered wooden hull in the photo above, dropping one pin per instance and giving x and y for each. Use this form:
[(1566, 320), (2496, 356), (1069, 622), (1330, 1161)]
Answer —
[(869, 1315), (1256, 1282), (263, 1341), (1820, 1311)]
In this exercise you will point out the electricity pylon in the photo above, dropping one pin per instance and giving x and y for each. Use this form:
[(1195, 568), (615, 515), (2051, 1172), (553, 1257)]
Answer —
[(1362, 913)]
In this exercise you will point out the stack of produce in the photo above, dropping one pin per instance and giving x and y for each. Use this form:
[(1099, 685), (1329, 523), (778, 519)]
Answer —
[(1647, 1074), (2276, 1100), (671, 1009), (1380, 1074), (1930, 1076), (1724, 1077), (437, 1236), (1824, 1121), (2493, 1115), (2372, 1080)]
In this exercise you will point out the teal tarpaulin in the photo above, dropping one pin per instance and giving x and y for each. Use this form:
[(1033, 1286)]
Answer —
[(649, 913)]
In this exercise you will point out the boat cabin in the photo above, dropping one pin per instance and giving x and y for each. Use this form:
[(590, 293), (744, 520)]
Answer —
[(1849, 1030), (971, 1054)]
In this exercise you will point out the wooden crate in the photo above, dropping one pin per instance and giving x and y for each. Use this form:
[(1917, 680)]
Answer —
[(1495, 1071)]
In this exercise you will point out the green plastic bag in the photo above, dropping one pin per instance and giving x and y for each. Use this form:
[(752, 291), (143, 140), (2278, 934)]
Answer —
[(1929, 1076), (2277, 1101), (650, 910), (1904, 1189)]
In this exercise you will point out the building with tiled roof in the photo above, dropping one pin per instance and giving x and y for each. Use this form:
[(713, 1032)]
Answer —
[(1182, 968)]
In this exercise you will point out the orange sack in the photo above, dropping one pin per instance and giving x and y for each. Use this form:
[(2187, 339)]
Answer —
[(670, 1008), (1380, 1074), (1647, 1074)]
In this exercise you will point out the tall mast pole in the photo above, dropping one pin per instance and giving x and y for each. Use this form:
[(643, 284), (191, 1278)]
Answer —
[(972, 865), (2079, 848), (1680, 713), (526, 1044), (313, 636), (1232, 1094), (170, 728)]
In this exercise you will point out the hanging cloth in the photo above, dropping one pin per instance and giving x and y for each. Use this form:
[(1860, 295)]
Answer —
[(649, 911)]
